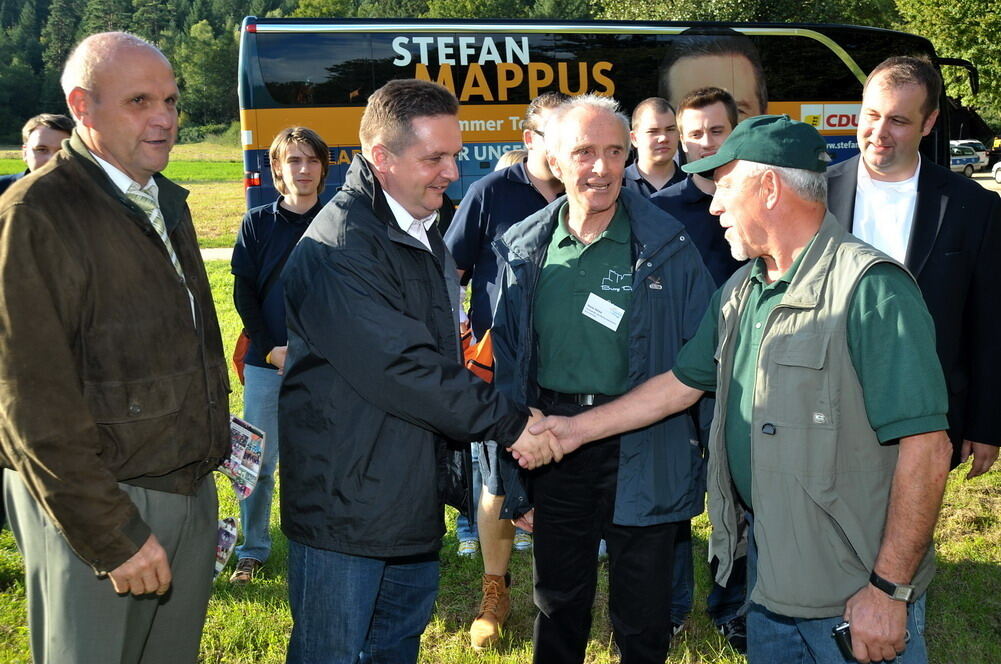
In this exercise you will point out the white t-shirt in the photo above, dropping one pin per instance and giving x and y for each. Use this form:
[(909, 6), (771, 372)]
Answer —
[(884, 212)]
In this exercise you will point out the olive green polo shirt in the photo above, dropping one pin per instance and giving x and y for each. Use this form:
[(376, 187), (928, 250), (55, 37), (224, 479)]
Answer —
[(576, 353), (891, 340)]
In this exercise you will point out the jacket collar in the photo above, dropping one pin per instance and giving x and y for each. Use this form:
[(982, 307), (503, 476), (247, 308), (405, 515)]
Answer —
[(361, 181), (171, 197), (842, 180), (932, 200), (653, 230), (690, 193), (517, 173)]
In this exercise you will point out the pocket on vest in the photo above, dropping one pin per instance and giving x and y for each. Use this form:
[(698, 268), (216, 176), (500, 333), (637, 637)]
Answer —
[(799, 387)]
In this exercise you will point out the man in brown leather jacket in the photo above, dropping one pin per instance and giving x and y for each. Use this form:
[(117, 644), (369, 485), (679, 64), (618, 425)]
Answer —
[(113, 408)]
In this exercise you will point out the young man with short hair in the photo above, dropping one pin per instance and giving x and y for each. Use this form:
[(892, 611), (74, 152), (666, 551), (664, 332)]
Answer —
[(41, 137), (654, 136)]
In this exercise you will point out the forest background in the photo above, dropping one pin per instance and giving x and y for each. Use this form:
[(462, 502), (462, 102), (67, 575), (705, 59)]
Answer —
[(201, 38)]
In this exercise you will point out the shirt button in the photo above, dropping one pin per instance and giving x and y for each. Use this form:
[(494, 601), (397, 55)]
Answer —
[(135, 409), (681, 237), (757, 325), (582, 273), (649, 264)]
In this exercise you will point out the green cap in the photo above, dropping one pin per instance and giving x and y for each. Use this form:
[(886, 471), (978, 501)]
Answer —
[(777, 140)]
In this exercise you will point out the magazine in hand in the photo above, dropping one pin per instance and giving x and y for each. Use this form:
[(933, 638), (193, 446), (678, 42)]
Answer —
[(243, 465)]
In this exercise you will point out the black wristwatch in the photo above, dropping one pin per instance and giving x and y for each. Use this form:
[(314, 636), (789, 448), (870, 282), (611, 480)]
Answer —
[(898, 591)]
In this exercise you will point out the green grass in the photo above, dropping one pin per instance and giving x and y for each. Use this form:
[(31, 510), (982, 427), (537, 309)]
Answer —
[(212, 173), (183, 172), (177, 170), (10, 165), (217, 209), (251, 625)]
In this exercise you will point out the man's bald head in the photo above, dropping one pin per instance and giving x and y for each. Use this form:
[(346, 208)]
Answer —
[(86, 60)]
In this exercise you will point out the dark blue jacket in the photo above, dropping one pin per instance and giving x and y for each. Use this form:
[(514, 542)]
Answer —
[(662, 466), (7, 180)]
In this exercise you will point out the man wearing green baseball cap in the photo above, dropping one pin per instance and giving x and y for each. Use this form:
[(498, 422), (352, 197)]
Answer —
[(828, 434)]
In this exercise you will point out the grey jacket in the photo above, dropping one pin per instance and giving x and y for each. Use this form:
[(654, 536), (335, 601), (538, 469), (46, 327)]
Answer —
[(662, 466)]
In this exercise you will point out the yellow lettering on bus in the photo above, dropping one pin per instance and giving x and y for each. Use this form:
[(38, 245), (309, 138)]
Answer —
[(563, 68), (508, 76), (540, 76), (598, 71), (476, 84), (444, 75)]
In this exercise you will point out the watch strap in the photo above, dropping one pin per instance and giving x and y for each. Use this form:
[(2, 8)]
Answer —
[(898, 591)]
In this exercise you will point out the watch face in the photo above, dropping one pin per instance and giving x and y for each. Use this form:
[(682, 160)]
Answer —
[(903, 593)]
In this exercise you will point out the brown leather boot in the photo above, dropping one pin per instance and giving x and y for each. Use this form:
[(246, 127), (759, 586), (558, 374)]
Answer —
[(494, 609)]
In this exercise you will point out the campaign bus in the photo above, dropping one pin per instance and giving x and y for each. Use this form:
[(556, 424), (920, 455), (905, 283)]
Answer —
[(319, 73)]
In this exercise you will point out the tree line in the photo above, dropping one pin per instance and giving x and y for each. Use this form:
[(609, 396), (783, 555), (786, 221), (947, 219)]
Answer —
[(201, 37)]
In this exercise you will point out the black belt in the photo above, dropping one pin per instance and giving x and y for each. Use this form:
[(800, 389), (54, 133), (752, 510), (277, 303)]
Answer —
[(550, 396)]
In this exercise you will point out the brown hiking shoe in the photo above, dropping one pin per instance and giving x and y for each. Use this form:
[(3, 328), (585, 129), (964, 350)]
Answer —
[(494, 609), (245, 570)]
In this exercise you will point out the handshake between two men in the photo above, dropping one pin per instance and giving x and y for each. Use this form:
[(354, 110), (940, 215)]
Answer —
[(544, 440)]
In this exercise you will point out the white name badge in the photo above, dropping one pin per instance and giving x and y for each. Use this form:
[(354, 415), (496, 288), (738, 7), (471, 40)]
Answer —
[(602, 311)]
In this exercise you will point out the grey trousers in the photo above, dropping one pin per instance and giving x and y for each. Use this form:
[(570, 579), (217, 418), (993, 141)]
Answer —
[(76, 618)]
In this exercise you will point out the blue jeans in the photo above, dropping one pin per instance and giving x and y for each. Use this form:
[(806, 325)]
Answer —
[(260, 408), (465, 528), (350, 609), (776, 638), (723, 603)]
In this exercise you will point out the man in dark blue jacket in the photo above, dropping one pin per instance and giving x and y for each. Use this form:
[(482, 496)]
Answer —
[(598, 291), (375, 391)]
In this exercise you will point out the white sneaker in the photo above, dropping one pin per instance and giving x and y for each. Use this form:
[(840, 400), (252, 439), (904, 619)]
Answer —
[(522, 542), (469, 548)]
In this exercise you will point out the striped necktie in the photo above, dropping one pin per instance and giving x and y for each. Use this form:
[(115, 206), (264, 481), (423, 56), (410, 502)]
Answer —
[(148, 204)]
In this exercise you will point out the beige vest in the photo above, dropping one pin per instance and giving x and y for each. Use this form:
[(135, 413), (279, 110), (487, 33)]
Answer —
[(820, 478)]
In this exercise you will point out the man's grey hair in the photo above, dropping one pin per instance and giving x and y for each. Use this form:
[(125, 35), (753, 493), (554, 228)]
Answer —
[(94, 51), (554, 124), (808, 185)]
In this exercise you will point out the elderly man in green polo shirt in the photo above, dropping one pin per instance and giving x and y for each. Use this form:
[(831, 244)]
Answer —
[(598, 292), (829, 431)]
